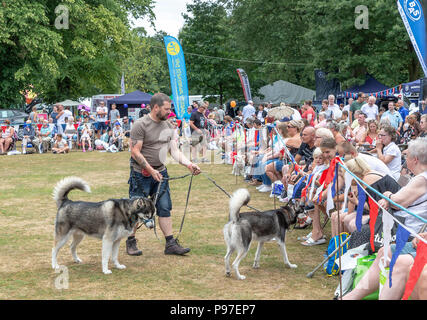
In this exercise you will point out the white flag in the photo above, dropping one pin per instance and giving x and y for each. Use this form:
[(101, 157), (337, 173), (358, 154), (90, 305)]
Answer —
[(122, 83), (329, 201), (348, 178), (388, 223)]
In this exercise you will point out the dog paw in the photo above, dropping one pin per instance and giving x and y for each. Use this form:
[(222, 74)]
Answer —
[(78, 260), (241, 277), (256, 265), (228, 274), (107, 272), (292, 266), (120, 266)]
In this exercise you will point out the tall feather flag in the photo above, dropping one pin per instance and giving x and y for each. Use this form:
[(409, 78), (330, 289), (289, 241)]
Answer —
[(412, 13), (178, 75), (244, 80)]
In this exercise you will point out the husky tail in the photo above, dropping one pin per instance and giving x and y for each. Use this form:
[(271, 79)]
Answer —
[(239, 198), (63, 187)]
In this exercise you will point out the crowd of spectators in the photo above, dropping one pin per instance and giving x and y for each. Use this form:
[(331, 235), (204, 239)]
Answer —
[(61, 132), (385, 149)]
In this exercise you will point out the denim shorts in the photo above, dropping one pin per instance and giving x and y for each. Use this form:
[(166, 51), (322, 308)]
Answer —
[(141, 186), (407, 249), (278, 164), (101, 126)]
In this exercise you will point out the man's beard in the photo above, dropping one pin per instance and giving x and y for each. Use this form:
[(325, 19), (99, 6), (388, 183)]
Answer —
[(160, 116)]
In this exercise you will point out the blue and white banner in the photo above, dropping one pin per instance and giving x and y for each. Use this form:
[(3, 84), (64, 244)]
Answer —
[(178, 75), (412, 15)]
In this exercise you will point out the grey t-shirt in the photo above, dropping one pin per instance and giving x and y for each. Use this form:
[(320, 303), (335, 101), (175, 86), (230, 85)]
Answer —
[(155, 137), (114, 115)]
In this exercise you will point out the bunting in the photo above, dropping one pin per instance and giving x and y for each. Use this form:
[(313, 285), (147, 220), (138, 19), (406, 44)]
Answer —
[(373, 214), (417, 268), (383, 93), (361, 195), (387, 227), (402, 236)]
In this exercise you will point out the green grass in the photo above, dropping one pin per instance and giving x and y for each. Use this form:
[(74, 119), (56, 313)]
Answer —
[(27, 214)]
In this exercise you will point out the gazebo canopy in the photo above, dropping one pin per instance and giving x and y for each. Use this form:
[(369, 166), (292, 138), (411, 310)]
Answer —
[(133, 99), (69, 103)]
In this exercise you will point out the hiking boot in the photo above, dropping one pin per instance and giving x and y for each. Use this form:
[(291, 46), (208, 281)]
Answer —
[(173, 247), (131, 247)]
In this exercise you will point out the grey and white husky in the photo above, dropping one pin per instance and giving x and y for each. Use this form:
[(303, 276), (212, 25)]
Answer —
[(109, 220), (264, 226)]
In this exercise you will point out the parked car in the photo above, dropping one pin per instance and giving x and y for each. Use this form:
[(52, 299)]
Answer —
[(15, 116)]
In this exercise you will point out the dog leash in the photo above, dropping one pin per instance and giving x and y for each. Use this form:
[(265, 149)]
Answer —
[(220, 188), (186, 205), (156, 197)]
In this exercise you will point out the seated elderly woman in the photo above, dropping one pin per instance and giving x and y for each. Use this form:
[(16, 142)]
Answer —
[(7, 136), (335, 129), (413, 197), (322, 120)]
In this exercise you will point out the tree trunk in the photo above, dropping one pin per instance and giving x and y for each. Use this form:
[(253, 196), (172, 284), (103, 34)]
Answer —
[(414, 69)]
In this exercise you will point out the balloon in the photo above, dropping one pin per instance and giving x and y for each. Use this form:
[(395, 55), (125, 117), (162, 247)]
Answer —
[(233, 104), (143, 105), (125, 105)]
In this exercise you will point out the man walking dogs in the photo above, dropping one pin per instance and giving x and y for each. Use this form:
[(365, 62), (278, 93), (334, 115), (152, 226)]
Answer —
[(152, 137)]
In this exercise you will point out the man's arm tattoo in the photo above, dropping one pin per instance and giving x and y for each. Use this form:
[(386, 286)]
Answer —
[(141, 161)]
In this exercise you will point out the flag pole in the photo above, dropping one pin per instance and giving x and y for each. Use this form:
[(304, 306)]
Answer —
[(337, 205)]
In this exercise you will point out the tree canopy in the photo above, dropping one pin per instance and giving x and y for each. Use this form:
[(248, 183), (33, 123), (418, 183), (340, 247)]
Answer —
[(270, 40), (81, 57)]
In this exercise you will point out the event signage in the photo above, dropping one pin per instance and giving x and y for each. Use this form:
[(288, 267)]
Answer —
[(245, 84), (412, 15), (178, 75)]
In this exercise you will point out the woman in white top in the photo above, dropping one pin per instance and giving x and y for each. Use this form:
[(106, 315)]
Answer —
[(70, 132), (388, 152), (6, 137), (85, 138), (414, 197)]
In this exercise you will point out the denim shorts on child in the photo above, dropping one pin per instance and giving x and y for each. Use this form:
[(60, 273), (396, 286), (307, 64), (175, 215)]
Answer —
[(407, 249), (141, 186)]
